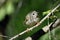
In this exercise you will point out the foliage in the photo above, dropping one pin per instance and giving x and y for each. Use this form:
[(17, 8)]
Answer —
[(16, 24)]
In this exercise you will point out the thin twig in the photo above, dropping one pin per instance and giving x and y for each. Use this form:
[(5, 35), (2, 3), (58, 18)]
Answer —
[(46, 28), (4, 36), (35, 25)]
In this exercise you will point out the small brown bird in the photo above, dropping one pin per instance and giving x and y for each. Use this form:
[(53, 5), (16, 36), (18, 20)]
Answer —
[(32, 18)]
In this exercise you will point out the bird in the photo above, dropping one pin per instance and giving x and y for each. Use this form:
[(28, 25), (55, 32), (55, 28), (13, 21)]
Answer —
[(32, 18)]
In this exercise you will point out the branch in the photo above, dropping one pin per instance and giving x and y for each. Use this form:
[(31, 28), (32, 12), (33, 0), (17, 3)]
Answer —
[(52, 25), (3, 36), (35, 25), (45, 29), (57, 23)]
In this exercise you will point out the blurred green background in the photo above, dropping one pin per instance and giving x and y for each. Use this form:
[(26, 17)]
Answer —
[(18, 9)]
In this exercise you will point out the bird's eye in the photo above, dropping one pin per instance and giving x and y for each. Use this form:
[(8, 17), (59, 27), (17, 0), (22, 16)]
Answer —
[(33, 13)]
